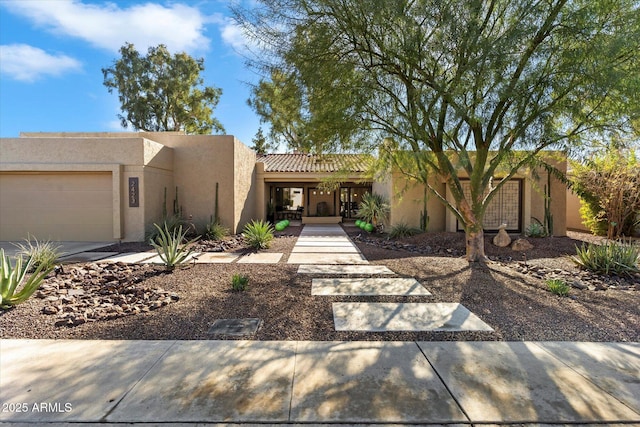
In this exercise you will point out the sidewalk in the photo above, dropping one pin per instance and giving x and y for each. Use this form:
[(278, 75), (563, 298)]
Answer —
[(280, 382)]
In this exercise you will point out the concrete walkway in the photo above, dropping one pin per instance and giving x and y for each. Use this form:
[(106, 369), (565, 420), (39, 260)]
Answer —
[(325, 244), (279, 382)]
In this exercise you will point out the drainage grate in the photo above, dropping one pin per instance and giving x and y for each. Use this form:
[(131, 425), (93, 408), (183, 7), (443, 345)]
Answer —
[(234, 327)]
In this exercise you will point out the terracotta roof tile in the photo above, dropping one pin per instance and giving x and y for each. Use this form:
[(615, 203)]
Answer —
[(314, 163)]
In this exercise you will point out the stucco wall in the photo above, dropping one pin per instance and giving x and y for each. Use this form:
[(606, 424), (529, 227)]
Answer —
[(408, 200), (558, 197), (123, 155), (202, 160), (574, 220), (245, 191)]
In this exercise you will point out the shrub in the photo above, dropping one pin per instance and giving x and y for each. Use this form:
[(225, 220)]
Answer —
[(239, 282), (43, 253), (401, 229), (171, 247), (608, 185), (12, 278), (215, 231), (258, 234), (535, 229), (374, 209), (610, 258), (558, 287)]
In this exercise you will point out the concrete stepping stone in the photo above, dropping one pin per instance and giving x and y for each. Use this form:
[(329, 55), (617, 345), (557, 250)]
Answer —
[(215, 258), (343, 269), (519, 382), (157, 260), (87, 256), (329, 258), (324, 249), (260, 258), (383, 317), (324, 243), (368, 286), (131, 257)]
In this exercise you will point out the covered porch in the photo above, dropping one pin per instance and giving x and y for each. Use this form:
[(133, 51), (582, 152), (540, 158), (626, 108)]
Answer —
[(293, 188), (313, 204)]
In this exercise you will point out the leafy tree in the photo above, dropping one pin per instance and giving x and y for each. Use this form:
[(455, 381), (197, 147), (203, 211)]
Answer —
[(461, 88), (260, 144), (161, 92), (307, 118), (609, 186)]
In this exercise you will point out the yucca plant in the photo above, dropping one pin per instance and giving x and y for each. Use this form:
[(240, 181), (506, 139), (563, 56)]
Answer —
[(258, 234), (13, 287), (171, 246), (610, 258), (402, 229), (44, 252), (374, 208)]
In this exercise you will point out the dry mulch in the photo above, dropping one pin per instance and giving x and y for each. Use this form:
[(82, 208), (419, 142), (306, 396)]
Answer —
[(509, 294)]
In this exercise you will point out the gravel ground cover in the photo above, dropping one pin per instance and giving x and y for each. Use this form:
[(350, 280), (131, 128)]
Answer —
[(117, 301)]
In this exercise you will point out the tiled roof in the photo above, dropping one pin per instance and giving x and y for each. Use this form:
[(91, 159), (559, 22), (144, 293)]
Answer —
[(314, 163)]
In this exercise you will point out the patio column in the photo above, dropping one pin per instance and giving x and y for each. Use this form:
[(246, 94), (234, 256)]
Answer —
[(261, 202)]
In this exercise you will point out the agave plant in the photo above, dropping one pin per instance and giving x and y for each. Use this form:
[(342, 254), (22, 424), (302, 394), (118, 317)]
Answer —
[(170, 247), (610, 258), (13, 287), (258, 234)]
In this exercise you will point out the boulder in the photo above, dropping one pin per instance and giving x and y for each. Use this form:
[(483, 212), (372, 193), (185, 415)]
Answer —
[(521, 245), (502, 239)]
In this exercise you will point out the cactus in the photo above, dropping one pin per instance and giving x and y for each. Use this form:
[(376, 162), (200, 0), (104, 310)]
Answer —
[(424, 216), (215, 211), (176, 205), (164, 205), (548, 217)]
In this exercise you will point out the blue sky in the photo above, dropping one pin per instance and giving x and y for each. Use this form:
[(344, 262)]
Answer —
[(52, 52)]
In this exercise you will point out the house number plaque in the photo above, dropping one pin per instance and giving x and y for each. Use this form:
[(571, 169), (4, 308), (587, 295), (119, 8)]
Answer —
[(134, 194)]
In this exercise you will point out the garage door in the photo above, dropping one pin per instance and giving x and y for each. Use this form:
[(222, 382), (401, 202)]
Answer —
[(56, 206)]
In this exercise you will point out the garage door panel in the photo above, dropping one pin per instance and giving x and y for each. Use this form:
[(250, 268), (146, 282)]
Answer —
[(57, 206)]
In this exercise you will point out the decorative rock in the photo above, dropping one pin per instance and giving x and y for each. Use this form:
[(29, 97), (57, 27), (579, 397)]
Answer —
[(502, 239), (49, 309), (92, 292), (521, 245)]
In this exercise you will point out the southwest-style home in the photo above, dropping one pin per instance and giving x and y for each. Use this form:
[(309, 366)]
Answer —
[(114, 186)]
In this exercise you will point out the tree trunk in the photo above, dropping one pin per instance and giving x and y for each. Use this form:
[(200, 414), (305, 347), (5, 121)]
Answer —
[(475, 244)]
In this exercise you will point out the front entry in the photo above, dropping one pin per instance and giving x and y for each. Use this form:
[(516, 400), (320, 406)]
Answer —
[(350, 197)]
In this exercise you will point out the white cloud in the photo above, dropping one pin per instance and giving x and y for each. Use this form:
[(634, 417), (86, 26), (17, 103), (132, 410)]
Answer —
[(233, 35), (109, 26), (27, 63)]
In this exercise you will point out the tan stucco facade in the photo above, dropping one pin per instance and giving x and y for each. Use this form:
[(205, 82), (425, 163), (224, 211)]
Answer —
[(407, 200), (111, 186), (156, 161)]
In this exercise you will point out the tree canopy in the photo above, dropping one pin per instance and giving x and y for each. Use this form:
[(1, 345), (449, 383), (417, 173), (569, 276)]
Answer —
[(459, 88), (162, 92)]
